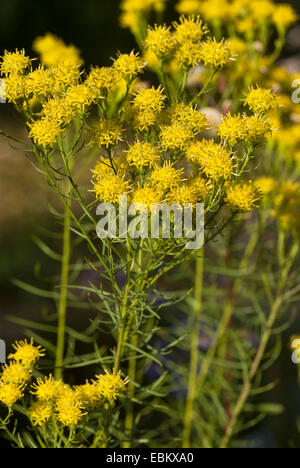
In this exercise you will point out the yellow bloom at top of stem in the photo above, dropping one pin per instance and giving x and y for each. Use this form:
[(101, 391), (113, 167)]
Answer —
[(176, 136), (284, 16), (129, 65), (217, 10), (54, 51), (102, 169), (262, 9), (146, 196), (89, 395), (58, 110), (68, 408), (188, 54), (189, 29), (188, 116), (45, 132), (261, 101), (15, 373), (232, 128), (10, 393), (40, 413), (47, 389), (214, 159), (144, 120), (109, 189), (15, 88), (160, 40), (166, 177), (215, 54), (150, 99), (40, 82), (242, 197), (14, 63), (238, 46), (103, 79), (26, 352), (110, 386), (107, 133), (80, 97), (287, 206), (143, 154), (192, 192), (65, 75), (257, 129)]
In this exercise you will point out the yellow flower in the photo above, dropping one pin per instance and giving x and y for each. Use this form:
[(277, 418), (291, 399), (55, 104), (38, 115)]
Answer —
[(107, 133), (261, 101), (80, 97), (110, 386), (54, 51), (15, 88), (266, 185), (10, 394), (143, 154), (68, 409), (188, 54), (26, 353), (40, 82), (102, 79), (166, 177), (102, 169), (89, 395), (149, 99), (215, 54), (242, 197), (232, 128), (186, 193), (238, 46), (110, 188), (257, 130), (284, 16), (65, 75), (146, 196), (214, 159), (160, 40), (188, 116), (45, 132), (189, 29), (287, 206), (15, 374), (176, 136), (143, 120), (262, 9), (58, 110), (129, 65), (47, 389), (40, 413), (200, 187), (14, 63)]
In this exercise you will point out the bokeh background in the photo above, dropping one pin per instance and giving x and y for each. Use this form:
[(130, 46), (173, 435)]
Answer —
[(93, 27)]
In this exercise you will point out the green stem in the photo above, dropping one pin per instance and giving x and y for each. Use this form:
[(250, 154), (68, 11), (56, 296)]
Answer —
[(194, 352), (129, 418), (62, 306), (205, 87)]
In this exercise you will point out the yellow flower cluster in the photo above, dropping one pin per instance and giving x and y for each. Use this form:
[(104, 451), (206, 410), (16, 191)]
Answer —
[(134, 11), (53, 51), (53, 398)]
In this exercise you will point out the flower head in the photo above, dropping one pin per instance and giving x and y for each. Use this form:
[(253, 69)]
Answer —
[(65, 75), (15, 88), (188, 116), (80, 97), (129, 65), (40, 82), (26, 353), (166, 177), (10, 393), (189, 29), (176, 136), (45, 132), (160, 40), (107, 133), (261, 101), (102, 79), (146, 196), (257, 130), (68, 408), (110, 188), (58, 110), (53, 51), (89, 395), (40, 413), (110, 386), (15, 373), (232, 128), (149, 99), (242, 197), (188, 54), (215, 54), (143, 154), (284, 16), (266, 185), (47, 389), (214, 159), (14, 63)]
